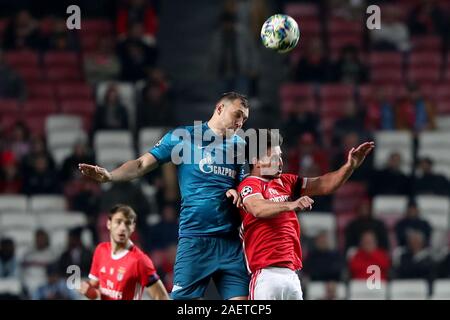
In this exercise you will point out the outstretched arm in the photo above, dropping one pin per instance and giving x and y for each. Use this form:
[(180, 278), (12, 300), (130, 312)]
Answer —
[(262, 208), (330, 182), (157, 291), (128, 171)]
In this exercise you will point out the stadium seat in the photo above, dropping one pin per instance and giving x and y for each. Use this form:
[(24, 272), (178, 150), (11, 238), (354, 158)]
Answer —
[(386, 59), (22, 58), (56, 58), (8, 107), (47, 203), (60, 154), (388, 142), (443, 123), (30, 74), (387, 75), (10, 286), (336, 91), (291, 91), (104, 139), (97, 26), (426, 59), (64, 73), (20, 237), (389, 208), (81, 107), (426, 44), (112, 158), (315, 222), (424, 75), (17, 220), (302, 9), (337, 25), (340, 41), (74, 90), (13, 202), (316, 290), (61, 122), (434, 140), (348, 197), (127, 97), (408, 290), (61, 220), (89, 42), (148, 137), (359, 290), (436, 210), (441, 289), (41, 91), (63, 139), (39, 107)]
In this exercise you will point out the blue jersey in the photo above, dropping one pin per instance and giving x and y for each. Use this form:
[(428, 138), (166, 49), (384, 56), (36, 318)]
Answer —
[(204, 176)]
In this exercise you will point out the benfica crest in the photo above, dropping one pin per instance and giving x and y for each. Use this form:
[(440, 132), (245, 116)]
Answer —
[(120, 273)]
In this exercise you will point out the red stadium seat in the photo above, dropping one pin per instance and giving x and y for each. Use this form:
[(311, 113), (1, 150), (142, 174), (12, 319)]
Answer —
[(58, 74), (443, 105), (425, 59), (41, 90), (340, 41), (9, 106), (337, 25), (447, 72), (30, 74), (7, 121), (385, 59), (336, 91), (3, 25), (302, 10), (42, 107), (426, 44), (289, 106), (89, 42), (74, 90), (293, 91), (387, 75), (97, 26), (424, 75), (442, 90), (61, 59), (36, 124), (22, 58), (78, 107)]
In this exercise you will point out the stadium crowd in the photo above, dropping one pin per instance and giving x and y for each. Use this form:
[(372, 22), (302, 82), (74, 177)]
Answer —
[(98, 95)]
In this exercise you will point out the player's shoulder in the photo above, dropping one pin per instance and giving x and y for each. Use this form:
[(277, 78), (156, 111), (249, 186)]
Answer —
[(138, 253), (288, 176), (251, 180), (103, 247)]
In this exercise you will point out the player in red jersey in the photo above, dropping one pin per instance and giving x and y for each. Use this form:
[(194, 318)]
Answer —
[(120, 270), (270, 230)]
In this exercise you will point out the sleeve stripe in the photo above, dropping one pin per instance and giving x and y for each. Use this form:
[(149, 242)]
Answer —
[(250, 195), (91, 276)]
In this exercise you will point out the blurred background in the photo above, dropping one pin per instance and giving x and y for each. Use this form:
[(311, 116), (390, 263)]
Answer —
[(106, 94)]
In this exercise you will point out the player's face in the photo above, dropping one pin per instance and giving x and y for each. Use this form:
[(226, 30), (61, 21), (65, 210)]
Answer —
[(120, 228), (233, 115), (271, 166)]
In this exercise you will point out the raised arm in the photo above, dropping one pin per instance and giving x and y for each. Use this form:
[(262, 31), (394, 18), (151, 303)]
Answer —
[(128, 171), (262, 208), (90, 289), (330, 182)]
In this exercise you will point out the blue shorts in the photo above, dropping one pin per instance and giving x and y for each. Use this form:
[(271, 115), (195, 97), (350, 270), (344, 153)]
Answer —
[(200, 258)]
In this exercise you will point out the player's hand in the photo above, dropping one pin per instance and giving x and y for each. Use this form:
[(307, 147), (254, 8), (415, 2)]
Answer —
[(84, 287), (357, 155), (237, 201), (95, 172), (302, 203)]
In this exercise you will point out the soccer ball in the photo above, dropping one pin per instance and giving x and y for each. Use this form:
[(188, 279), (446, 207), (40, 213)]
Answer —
[(280, 33)]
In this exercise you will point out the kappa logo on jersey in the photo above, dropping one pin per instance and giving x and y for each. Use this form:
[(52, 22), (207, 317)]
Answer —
[(246, 191)]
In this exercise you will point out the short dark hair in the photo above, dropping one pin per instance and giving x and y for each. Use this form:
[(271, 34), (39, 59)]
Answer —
[(231, 96), (127, 211), (274, 139)]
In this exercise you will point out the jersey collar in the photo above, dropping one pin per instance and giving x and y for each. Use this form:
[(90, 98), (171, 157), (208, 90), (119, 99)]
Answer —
[(122, 253)]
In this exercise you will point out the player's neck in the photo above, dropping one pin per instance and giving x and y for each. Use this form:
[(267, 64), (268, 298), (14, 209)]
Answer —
[(119, 247), (215, 127)]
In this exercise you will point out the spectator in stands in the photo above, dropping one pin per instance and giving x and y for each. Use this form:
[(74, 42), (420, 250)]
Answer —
[(22, 32), (103, 64), (351, 121), (306, 153), (9, 266), (415, 261), (322, 263), (412, 222), (427, 18), (135, 55), (349, 68), (330, 291), (154, 110), (19, 141), (314, 66), (443, 269), (138, 11), (80, 154), (391, 179), (164, 233), (300, 119), (55, 287), (36, 260), (393, 34), (38, 147), (414, 112), (365, 222), (369, 254), (11, 83), (233, 56), (428, 182), (75, 254), (380, 113), (112, 115), (11, 180), (60, 38), (349, 140), (41, 179)]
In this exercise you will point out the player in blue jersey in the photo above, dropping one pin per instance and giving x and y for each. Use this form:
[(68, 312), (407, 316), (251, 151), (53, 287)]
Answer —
[(209, 245)]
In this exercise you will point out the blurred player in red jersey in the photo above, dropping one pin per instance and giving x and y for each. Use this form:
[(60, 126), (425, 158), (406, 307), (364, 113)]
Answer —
[(120, 270), (270, 230)]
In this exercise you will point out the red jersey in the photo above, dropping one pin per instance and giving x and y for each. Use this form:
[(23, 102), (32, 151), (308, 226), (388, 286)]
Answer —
[(122, 276), (271, 241)]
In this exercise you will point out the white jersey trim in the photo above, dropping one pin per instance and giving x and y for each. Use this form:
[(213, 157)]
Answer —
[(92, 277), (251, 195), (121, 254)]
